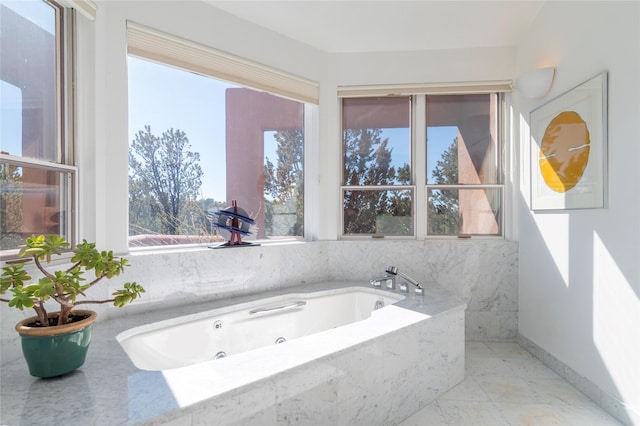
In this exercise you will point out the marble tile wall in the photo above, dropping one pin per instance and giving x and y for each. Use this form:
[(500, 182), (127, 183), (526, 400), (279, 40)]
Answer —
[(483, 273)]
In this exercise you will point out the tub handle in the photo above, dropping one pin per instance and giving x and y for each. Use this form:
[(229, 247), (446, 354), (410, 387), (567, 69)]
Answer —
[(278, 308)]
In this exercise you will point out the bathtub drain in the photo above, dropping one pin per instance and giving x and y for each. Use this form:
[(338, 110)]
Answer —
[(217, 325), (280, 340), (219, 355)]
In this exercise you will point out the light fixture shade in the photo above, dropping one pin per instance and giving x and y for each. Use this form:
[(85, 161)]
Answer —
[(536, 83)]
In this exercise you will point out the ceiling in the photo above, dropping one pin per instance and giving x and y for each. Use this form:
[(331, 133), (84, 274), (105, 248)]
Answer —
[(383, 26)]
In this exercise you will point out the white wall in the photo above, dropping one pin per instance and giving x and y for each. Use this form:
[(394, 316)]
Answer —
[(579, 270)]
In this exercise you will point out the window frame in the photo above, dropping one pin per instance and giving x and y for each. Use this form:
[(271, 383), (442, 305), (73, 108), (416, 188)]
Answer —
[(500, 172), (65, 126), (411, 187), (419, 94), (153, 45)]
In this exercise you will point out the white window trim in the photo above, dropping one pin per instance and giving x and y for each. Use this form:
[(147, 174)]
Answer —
[(86, 8), (453, 88), (157, 46)]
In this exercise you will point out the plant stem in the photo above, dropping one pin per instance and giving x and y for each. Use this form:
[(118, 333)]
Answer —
[(73, 267), (41, 268), (81, 302), (42, 314)]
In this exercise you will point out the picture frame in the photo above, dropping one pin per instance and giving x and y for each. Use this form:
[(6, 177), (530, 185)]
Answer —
[(569, 149)]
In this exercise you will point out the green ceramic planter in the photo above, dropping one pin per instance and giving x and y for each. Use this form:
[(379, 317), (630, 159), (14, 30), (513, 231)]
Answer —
[(54, 351)]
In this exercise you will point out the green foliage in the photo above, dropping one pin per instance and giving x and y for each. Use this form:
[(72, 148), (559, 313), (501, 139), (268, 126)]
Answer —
[(164, 176), (21, 298), (65, 285), (444, 205), (127, 294), (367, 161), (13, 275), (104, 263), (11, 202), (42, 247), (142, 215)]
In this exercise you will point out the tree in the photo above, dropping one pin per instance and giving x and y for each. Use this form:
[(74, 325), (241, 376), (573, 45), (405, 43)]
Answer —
[(367, 162), (142, 219), (443, 204), (284, 184), (164, 177), (10, 206), (196, 218)]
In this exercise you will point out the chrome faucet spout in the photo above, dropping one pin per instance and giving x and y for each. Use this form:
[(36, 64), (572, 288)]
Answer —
[(393, 270)]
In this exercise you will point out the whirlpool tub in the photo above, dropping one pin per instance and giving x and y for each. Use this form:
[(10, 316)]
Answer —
[(326, 353), (243, 327)]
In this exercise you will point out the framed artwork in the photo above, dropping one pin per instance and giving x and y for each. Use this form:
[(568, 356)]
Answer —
[(569, 149)]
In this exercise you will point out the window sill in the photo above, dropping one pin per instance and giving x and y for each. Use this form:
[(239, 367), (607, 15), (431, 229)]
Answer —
[(187, 248)]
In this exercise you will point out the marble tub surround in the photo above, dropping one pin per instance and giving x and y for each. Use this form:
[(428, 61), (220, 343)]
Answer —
[(371, 382), (482, 273)]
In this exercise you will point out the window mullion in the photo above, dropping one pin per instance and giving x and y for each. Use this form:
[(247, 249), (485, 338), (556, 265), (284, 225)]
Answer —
[(418, 161), (311, 173)]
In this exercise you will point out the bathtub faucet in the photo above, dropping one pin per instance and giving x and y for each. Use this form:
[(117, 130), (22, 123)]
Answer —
[(393, 270)]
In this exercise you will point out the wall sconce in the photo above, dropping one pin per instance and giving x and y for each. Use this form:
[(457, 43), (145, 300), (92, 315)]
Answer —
[(536, 83)]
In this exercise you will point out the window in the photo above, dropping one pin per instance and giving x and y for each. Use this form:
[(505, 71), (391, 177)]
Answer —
[(464, 184), (376, 137), (37, 176), (461, 174), (199, 142)]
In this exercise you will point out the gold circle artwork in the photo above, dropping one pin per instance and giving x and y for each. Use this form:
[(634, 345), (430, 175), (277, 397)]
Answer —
[(564, 151)]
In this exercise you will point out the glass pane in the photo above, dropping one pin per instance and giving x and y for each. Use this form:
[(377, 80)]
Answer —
[(198, 144), (33, 201), (284, 183), (29, 85), (385, 212), (376, 141), (464, 211), (462, 138)]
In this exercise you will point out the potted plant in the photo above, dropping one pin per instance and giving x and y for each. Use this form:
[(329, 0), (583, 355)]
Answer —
[(56, 343)]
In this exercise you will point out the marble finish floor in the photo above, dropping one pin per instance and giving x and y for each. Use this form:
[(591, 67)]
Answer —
[(505, 385)]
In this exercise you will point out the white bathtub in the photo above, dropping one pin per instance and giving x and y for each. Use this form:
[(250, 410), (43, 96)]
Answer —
[(368, 367), (218, 333)]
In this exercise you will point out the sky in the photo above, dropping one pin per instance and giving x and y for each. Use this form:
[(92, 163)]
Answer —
[(37, 12), (10, 119), (164, 97), (42, 15), (440, 138)]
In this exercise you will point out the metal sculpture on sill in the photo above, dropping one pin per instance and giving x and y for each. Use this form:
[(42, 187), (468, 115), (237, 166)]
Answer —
[(236, 222)]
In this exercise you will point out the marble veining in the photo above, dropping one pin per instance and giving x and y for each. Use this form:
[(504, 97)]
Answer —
[(505, 385), (329, 385)]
